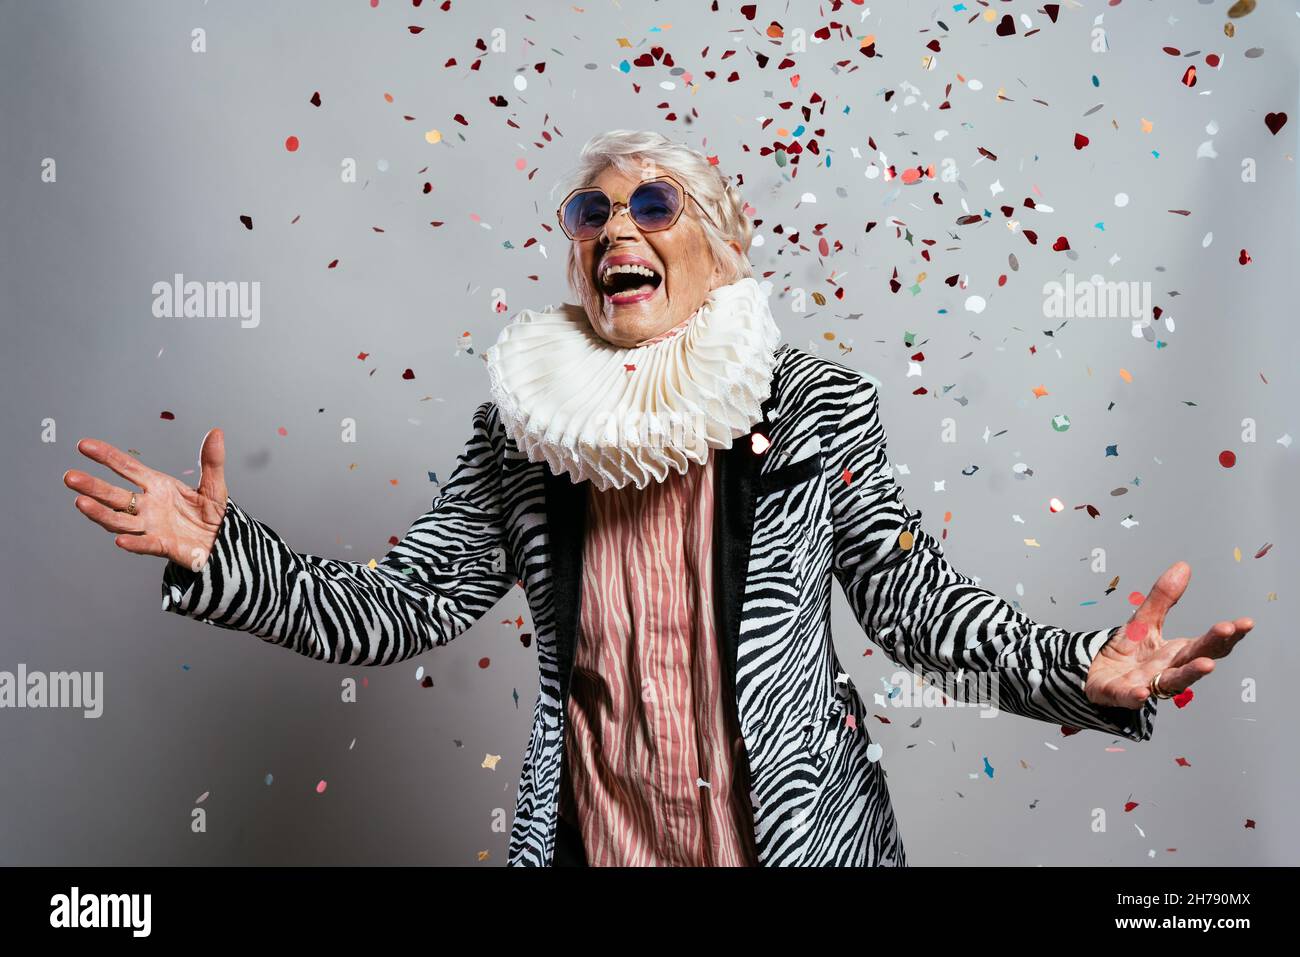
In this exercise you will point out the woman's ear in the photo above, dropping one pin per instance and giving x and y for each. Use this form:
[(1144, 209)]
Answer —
[(718, 269)]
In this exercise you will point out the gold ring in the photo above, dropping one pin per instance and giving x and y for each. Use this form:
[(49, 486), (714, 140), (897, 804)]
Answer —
[(1155, 686), (130, 509)]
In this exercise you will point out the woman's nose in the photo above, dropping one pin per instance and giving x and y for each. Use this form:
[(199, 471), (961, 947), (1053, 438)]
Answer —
[(616, 228)]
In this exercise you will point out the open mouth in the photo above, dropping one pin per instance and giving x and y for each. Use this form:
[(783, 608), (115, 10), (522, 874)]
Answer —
[(629, 282)]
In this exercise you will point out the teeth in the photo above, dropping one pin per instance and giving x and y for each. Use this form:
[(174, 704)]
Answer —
[(627, 268)]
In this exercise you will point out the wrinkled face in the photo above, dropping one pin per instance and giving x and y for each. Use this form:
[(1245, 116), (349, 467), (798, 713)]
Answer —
[(642, 284)]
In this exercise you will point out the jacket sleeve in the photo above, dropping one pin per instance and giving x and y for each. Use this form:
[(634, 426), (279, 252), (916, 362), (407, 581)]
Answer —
[(930, 617), (449, 569)]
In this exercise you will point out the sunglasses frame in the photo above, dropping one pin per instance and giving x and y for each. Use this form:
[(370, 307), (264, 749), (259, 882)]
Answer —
[(616, 208)]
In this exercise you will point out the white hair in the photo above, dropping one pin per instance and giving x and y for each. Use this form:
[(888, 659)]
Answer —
[(647, 154)]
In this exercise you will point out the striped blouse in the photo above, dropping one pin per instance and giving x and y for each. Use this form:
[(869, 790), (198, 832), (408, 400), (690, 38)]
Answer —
[(655, 769)]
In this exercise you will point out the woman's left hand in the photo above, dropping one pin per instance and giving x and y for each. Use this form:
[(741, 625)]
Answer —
[(1121, 673)]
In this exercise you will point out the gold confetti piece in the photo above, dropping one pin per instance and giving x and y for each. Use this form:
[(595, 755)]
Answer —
[(490, 761), (1271, 596), (433, 136), (905, 541), (483, 855), (372, 564), (1040, 391), (1146, 125), (624, 42), (1126, 375), (1236, 554), (1032, 543)]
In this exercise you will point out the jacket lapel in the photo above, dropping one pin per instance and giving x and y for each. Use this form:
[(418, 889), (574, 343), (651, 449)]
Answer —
[(735, 484), (566, 521)]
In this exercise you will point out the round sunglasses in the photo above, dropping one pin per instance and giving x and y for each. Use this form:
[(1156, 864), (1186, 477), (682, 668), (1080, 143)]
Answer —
[(654, 205)]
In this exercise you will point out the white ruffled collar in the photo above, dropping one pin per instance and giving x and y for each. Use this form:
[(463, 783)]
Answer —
[(620, 416)]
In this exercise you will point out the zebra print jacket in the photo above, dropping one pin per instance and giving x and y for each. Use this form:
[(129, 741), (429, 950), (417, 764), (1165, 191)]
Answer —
[(817, 503)]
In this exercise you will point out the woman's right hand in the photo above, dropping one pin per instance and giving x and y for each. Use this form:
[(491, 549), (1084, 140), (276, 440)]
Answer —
[(172, 520)]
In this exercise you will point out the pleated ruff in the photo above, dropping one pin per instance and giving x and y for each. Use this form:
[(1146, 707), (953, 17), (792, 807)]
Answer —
[(618, 416)]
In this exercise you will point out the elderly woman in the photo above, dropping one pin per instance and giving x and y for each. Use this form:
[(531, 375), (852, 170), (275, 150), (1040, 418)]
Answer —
[(675, 491)]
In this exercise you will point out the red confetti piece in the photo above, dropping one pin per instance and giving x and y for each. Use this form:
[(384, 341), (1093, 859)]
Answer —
[(291, 144), (1129, 805), (315, 98), (1061, 244), (1136, 598), (1183, 762), (168, 416), (408, 374), (427, 682), (1250, 823), (484, 662), (1275, 122), (1243, 258), (1080, 141), (1227, 458), (1184, 698), (1006, 26), (282, 430), (247, 221), (1189, 78)]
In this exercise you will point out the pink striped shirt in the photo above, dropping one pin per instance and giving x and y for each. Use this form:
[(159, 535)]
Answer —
[(656, 771)]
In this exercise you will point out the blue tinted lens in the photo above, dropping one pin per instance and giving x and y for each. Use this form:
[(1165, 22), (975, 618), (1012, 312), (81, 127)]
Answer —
[(585, 214), (655, 205)]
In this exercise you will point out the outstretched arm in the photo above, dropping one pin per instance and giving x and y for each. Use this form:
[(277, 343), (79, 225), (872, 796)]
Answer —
[(930, 617), (449, 569)]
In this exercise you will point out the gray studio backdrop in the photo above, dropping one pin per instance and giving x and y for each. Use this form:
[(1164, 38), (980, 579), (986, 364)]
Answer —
[(162, 138)]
